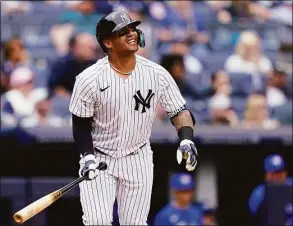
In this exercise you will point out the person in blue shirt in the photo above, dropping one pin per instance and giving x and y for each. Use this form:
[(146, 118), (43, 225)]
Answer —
[(209, 215), (180, 210), (275, 172)]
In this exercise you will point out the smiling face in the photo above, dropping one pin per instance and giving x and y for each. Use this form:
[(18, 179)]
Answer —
[(123, 41)]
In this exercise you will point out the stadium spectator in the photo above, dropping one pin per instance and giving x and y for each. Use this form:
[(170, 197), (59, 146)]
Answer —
[(256, 114), (277, 93), (11, 7), (174, 64), (238, 11), (191, 63), (180, 210), (220, 103), (179, 22), (249, 58), (20, 101), (83, 53), (42, 115), (209, 215), (283, 113), (278, 11), (81, 18), (14, 55)]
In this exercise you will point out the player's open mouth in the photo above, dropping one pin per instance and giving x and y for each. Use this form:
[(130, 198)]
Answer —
[(131, 41)]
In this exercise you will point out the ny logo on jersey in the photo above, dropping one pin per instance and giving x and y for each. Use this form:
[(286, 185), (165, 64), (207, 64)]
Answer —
[(124, 17), (144, 102)]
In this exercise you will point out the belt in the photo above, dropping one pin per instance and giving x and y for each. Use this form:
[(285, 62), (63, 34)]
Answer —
[(132, 153)]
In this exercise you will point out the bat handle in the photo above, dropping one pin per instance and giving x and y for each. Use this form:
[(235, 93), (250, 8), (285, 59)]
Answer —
[(102, 166)]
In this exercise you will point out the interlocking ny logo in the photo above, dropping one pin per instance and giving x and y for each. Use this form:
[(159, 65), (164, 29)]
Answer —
[(124, 17), (144, 102)]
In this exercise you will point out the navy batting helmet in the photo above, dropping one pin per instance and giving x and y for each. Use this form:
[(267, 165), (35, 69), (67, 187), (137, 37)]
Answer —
[(114, 22)]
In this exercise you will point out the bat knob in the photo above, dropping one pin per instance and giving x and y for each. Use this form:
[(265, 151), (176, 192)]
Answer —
[(102, 166)]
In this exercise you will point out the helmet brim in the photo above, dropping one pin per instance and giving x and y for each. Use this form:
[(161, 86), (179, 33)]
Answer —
[(126, 23)]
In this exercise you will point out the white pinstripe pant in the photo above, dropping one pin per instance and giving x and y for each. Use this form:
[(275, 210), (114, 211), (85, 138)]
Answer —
[(130, 179)]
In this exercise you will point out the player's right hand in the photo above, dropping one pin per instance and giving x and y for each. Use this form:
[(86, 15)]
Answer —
[(90, 167)]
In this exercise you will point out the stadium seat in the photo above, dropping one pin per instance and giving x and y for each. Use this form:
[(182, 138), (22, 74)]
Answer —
[(199, 108), (241, 84), (204, 15), (216, 59), (8, 31), (238, 105), (60, 106)]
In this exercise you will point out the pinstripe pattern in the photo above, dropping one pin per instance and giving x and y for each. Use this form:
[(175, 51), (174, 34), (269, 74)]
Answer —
[(120, 128), (130, 179)]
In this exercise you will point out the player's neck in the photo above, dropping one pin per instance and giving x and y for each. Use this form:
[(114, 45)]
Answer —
[(125, 65), (179, 205)]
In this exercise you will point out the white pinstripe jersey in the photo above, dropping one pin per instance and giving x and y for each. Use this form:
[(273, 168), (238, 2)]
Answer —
[(123, 110)]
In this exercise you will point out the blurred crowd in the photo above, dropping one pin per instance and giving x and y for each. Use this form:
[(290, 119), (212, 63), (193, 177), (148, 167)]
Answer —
[(232, 60)]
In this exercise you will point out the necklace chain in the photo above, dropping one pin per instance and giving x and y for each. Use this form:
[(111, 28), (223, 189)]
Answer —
[(123, 73)]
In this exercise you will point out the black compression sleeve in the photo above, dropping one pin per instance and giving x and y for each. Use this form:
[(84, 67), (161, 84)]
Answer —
[(81, 128), (185, 132)]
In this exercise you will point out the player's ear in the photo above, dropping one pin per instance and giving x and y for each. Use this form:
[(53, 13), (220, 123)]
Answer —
[(107, 43)]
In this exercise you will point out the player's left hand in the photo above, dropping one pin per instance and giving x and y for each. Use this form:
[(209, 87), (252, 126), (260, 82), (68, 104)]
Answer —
[(187, 151)]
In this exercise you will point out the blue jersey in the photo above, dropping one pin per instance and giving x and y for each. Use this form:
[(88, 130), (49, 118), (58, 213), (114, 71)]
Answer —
[(257, 197), (171, 215)]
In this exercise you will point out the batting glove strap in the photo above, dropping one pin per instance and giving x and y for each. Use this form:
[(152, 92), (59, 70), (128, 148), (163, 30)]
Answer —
[(187, 151)]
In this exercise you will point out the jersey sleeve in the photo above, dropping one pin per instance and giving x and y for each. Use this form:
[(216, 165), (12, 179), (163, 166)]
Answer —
[(256, 198), (83, 97), (161, 219), (171, 99)]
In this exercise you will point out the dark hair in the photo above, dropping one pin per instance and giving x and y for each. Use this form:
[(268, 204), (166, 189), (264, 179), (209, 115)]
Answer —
[(278, 72), (214, 75), (167, 61), (72, 41)]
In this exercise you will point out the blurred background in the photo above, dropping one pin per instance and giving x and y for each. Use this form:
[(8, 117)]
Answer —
[(232, 61)]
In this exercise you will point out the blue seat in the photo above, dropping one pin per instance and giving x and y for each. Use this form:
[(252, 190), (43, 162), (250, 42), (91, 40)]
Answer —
[(241, 84), (60, 106), (216, 59), (199, 109), (238, 105), (7, 31), (46, 8), (46, 52), (41, 76)]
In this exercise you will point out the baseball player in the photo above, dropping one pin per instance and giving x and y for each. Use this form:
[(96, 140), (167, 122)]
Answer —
[(113, 106), (275, 171), (180, 210)]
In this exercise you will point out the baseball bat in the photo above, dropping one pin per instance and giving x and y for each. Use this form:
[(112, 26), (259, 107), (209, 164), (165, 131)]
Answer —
[(39, 205)]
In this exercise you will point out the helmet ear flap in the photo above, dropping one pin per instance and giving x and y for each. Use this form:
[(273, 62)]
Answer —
[(141, 39)]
